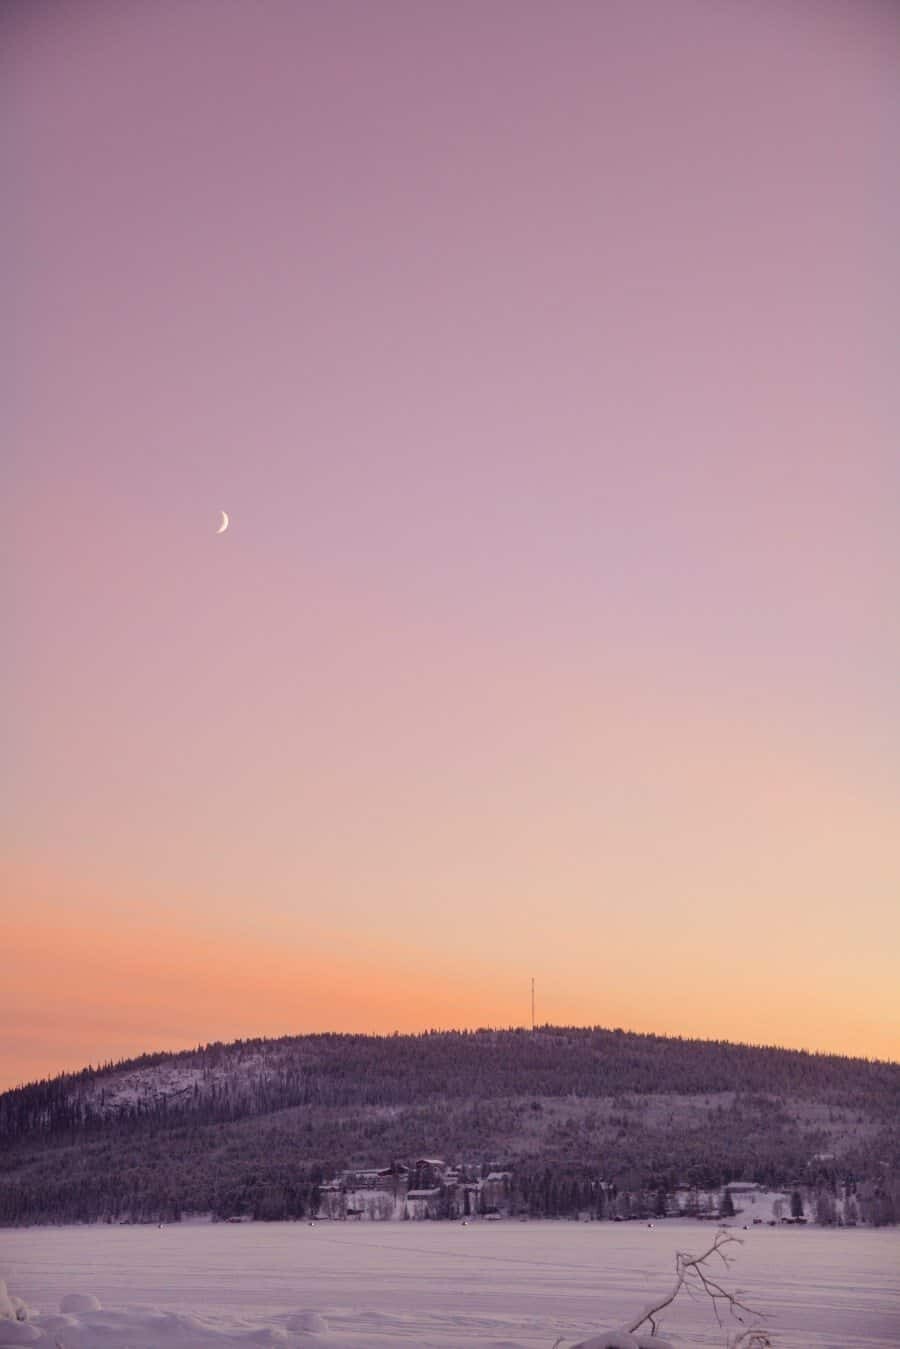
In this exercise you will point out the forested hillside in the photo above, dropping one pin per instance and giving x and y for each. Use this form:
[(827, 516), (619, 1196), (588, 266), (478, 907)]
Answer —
[(256, 1126)]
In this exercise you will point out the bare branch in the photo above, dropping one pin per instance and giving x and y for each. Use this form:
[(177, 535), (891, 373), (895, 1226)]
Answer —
[(689, 1275), (692, 1277)]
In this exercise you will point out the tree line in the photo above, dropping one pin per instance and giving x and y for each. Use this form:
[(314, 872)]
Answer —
[(257, 1077)]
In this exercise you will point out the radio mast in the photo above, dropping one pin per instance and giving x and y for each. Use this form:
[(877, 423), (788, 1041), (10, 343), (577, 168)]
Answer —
[(532, 1004)]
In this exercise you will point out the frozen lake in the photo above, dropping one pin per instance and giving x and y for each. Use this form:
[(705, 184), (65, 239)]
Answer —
[(482, 1286)]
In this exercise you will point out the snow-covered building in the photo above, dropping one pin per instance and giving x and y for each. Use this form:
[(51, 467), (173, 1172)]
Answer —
[(495, 1191), (393, 1179), (427, 1189), (424, 1203), (429, 1171)]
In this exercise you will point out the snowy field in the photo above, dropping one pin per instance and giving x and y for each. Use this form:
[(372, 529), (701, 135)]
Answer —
[(505, 1285)]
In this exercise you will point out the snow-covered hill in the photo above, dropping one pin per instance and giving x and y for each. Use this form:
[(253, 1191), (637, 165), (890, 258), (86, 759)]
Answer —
[(256, 1127)]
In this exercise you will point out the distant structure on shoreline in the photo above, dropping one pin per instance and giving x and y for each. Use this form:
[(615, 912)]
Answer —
[(430, 1189)]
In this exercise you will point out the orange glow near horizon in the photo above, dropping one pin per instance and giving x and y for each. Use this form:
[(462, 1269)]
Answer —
[(99, 991)]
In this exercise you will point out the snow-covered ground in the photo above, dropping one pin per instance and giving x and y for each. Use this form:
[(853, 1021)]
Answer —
[(502, 1285)]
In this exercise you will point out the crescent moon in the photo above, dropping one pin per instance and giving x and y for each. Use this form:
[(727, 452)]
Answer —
[(224, 525)]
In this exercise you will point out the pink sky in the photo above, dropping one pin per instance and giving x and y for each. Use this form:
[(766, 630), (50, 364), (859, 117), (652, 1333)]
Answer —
[(540, 354)]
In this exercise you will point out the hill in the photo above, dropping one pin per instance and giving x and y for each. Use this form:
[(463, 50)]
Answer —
[(257, 1126)]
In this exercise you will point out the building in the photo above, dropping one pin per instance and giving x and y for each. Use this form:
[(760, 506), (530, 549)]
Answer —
[(425, 1203)]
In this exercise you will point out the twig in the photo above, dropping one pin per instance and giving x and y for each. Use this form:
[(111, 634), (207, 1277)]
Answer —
[(691, 1275)]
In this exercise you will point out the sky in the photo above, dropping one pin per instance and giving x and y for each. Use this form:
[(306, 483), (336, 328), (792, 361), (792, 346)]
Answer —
[(540, 355)]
